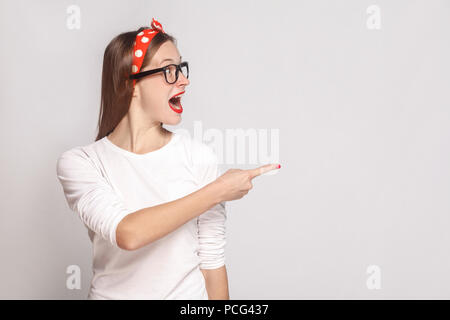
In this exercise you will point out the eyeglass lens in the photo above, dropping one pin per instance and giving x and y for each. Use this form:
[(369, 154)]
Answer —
[(171, 73)]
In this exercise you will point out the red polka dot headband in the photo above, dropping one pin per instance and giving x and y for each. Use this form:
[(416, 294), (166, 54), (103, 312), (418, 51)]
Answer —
[(143, 39)]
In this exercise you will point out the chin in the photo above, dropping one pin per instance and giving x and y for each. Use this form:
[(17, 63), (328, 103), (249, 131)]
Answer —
[(172, 122)]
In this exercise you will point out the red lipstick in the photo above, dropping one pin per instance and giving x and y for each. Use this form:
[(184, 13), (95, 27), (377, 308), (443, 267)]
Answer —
[(175, 103)]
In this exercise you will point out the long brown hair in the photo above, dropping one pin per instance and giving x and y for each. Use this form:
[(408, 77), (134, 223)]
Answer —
[(117, 89)]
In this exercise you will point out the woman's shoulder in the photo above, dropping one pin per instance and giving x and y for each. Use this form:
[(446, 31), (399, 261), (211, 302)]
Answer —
[(87, 150), (80, 155)]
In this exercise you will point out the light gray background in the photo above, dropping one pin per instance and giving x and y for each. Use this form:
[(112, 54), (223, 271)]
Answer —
[(364, 126)]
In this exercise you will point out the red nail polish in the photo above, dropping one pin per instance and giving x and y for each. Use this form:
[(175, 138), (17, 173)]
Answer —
[(279, 166)]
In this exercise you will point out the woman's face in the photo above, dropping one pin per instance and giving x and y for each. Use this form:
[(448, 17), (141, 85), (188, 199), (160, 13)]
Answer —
[(152, 92)]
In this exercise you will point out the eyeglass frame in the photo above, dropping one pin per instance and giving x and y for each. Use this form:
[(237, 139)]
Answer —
[(163, 69)]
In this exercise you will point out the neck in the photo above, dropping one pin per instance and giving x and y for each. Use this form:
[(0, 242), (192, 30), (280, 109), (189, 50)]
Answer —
[(139, 137)]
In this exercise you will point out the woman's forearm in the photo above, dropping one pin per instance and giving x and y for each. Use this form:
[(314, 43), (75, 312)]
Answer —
[(149, 224), (216, 283)]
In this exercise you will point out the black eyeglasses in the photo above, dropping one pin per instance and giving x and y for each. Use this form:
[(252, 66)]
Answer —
[(170, 72)]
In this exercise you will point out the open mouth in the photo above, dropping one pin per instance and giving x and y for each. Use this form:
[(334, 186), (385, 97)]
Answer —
[(175, 103)]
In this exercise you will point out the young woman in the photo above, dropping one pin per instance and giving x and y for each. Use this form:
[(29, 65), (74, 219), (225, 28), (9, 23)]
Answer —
[(152, 200)]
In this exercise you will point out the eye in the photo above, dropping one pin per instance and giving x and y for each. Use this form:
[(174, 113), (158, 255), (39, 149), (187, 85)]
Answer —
[(171, 69)]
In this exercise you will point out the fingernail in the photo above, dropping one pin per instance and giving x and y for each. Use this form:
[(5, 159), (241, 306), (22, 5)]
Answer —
[(279, 166)]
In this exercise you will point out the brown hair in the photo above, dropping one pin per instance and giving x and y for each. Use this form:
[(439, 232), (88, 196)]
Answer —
[(117, 89)]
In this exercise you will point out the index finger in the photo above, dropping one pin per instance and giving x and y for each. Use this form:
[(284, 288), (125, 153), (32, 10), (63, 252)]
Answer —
[(263, 169)]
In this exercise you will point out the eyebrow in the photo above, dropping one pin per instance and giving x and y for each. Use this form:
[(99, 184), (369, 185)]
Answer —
[(169, 60)]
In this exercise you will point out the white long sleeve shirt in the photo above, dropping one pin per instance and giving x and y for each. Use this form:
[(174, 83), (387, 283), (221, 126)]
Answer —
[(103, 183)]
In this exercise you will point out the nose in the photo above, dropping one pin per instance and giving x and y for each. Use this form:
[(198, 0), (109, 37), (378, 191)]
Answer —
[(182, 80)]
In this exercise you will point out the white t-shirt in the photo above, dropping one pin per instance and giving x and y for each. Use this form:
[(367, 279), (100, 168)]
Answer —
[(103, 183)]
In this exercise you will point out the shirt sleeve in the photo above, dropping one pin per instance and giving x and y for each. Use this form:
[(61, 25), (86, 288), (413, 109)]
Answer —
[(211, 224), (90, 195)]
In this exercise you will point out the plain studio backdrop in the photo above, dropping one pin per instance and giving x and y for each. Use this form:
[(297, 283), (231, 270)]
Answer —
[(353, 93)]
